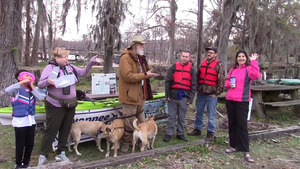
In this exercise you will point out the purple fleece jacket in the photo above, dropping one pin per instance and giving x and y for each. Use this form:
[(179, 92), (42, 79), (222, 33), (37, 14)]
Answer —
[(58, 92)]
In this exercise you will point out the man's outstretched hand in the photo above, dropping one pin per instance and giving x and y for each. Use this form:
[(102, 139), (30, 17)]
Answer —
[(150, 74)]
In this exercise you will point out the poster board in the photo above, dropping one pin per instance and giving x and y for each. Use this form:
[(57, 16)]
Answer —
[(104, 83)]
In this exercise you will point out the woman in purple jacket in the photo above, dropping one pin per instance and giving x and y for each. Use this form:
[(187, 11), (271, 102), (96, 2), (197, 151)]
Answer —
[(60, 78), (238, 96)]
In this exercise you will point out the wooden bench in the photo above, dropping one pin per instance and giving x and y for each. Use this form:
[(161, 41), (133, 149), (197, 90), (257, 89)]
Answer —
[(274, 106)]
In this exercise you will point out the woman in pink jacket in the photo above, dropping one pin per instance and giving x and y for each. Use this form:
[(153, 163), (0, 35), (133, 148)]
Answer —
[(238, 96)]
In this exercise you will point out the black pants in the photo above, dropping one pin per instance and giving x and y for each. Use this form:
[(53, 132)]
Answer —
[(238, 129), (24, 142), (58, 120)]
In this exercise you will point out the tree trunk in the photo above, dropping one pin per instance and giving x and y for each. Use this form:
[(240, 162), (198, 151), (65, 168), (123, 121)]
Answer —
[(50, 40), (253, 20), (200, 28), (219, 24), (44, 44), (296, 69), (11, 44), (28, 32), (36, 40), (109, 19), (228, 14), (108, 54), (272, 53), (161, 50), (171, 32)]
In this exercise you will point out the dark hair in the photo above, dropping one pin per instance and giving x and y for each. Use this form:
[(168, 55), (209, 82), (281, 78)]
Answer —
[(237, 54), (186, 51), (18, 73)]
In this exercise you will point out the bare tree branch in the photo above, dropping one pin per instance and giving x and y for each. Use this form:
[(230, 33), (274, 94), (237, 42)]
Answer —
[(158, 9), (149, 28)]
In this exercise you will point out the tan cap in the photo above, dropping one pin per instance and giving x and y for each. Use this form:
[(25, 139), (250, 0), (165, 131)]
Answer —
[(136, 39)]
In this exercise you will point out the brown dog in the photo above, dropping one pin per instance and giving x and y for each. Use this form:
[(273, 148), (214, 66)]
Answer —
[(144, 131), (87, 127), (112, 133)]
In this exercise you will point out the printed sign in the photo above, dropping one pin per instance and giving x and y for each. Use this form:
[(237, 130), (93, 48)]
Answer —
[(104, 83)]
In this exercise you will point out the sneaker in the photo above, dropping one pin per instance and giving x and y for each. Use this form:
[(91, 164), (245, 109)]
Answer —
[(124, 147), (167, 138), (24, 166), (42, 160), (195, 132), (62, 157), (181, 137)]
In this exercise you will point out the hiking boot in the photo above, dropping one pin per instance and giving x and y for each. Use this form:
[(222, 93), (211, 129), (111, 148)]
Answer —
[(42, 160), (124, 147), (62, 157), (210, 136), (181, 137), (167, 138), (195, 132)]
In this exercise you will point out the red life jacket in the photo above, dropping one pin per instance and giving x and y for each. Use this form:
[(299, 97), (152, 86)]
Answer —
[(208, 74), (182, 76)]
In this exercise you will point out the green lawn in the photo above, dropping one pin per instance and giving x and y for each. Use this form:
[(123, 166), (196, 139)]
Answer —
[(264, 151)]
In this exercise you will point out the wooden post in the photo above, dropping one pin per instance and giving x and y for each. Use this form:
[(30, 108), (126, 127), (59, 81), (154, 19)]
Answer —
[(295, 96), (257, 98)]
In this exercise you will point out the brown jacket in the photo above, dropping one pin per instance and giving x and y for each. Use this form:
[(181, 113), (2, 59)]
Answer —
[(130, 79)]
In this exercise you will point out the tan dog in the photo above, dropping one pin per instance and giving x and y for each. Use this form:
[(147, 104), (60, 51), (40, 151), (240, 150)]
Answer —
[(144, 132), (87, 127), (112, 133)]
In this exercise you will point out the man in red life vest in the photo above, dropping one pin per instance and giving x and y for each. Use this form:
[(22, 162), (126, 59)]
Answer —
[(180, 88), (210, 79)]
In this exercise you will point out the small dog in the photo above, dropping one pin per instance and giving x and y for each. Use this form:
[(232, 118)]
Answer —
[(112, 133), (87, 127), (144, 131)]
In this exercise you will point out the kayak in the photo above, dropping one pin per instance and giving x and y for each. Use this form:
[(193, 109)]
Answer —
[(284, 81), (100, 110)]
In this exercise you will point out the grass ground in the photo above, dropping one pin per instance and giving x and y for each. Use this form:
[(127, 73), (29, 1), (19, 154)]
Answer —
[(285, 153)]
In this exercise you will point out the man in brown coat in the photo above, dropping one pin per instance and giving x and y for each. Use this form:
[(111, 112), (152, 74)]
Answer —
[(134, 87)]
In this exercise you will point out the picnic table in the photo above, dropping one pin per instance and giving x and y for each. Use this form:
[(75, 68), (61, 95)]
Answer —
[(266, 98)]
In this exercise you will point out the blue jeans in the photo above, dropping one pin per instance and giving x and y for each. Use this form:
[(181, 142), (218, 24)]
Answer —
[(211, 104)]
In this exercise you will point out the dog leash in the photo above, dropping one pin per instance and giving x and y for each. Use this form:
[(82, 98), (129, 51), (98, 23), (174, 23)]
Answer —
[(125, 117)]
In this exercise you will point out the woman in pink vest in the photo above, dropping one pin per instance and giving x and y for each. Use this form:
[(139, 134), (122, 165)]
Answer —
[(238, 96)]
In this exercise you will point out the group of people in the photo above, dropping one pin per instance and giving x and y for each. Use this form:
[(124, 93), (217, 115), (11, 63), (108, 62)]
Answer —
[(60, 104), (182, 82)]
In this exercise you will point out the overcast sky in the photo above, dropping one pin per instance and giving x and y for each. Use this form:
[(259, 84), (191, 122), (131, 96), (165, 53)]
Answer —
[(137, 7)]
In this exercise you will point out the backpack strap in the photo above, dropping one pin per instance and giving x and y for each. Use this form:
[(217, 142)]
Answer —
[(75, 72)]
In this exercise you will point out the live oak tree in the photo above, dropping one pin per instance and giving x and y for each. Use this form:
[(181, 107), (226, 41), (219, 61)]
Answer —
[(229, 10), (10, 44), (41, 20), (106, 34)]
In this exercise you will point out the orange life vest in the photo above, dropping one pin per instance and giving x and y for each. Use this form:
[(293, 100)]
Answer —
[(182, 76), (208, 74)]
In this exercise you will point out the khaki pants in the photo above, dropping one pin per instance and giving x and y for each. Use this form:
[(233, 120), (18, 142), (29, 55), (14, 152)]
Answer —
[(129, 110)]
